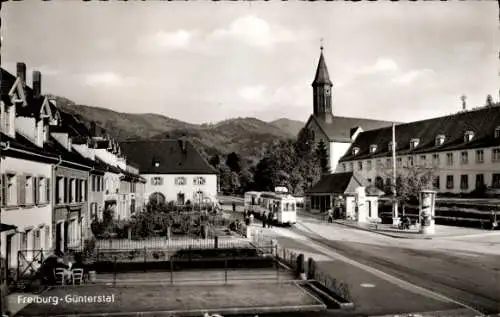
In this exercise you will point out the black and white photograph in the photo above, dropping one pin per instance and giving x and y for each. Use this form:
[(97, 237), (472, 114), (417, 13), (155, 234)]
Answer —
[(250, 158)]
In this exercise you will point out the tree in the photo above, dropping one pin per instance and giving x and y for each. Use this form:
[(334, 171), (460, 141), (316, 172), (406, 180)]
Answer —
[(233, 162), (214, 160), (322, 155), (410, 180)]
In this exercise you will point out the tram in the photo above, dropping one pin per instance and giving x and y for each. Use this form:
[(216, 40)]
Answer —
[(282, 205)]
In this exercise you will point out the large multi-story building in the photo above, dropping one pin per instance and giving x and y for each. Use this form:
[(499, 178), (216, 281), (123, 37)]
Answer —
[(174, 171), (460, 151)]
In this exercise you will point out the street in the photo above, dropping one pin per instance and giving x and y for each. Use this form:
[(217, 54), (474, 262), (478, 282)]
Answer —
[(402, 275)]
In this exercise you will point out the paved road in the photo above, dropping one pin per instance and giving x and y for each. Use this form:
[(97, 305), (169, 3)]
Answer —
[(459, 272), (465, 269)]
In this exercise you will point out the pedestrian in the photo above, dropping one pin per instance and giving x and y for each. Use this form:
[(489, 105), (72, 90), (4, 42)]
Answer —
[(330, 216), (234, 207), (264, 220), (493, 220)]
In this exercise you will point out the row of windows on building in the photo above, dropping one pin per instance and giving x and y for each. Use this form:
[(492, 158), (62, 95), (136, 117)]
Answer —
[(19, 189), (468, 136), (436, 160), (32, 239), (70, 190), (178, 181), (450, 182), (99, 184)]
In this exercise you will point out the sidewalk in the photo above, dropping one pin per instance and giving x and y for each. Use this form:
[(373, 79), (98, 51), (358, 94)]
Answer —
[(389, 231)]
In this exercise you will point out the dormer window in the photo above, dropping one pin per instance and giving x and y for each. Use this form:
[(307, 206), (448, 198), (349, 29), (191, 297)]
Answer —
[(156, 164), (497, 132), (373, 148), (468, 136), (355, 151), (440, 139), (414, 143)]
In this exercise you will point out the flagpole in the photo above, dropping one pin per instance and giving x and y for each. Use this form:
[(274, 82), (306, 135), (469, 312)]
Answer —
[(395, 217)]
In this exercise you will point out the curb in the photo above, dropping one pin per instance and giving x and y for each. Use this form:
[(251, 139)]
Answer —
[(384, 233), (200, 312)]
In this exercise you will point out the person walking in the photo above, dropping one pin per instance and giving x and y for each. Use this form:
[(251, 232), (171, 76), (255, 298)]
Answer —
[(330, 216), (264, 219)]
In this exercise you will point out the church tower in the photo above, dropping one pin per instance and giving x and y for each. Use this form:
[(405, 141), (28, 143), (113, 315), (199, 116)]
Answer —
[(322, 91)]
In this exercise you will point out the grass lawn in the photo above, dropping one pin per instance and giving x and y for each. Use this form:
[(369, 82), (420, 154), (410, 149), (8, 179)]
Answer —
[(170, 298)]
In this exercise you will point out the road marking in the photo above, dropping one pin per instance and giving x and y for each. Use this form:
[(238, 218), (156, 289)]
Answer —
[(389, 278), (368, 285)]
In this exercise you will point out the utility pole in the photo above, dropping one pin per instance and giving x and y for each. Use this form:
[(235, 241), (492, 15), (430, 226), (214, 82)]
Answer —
[(395, 217)]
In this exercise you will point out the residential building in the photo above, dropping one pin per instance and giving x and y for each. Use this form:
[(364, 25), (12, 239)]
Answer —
[(461, 151), (337, 133), (174, 171), (26, 170)]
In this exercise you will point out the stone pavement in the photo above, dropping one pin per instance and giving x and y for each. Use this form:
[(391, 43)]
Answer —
[(390, 231)]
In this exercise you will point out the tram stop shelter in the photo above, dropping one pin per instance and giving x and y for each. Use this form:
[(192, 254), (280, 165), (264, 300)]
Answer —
[(349, 195)]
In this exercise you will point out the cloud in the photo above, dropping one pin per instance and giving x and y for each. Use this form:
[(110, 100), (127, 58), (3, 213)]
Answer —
[(254, 31), (252, 93), (249, 30), (383, 65), (109, 79), (411, 76), (161, 40)]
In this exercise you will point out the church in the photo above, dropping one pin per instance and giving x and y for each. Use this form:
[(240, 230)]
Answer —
[(337, 133)]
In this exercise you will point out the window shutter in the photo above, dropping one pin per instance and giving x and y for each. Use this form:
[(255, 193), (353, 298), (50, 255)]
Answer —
[(66, 189), (47, 190), (85, 183), (21, 189), (36, 196), (3, 199)]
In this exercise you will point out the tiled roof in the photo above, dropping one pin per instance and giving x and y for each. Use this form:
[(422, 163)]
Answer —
[(170, 156), (340, 128), (21, 143), (6, 227), (338, 183), (108, 167), (481, 121), (75, 127), (53, 147), (7, 81)]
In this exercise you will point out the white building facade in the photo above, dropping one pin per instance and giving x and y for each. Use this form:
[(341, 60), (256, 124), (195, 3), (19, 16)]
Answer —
[(461, 151), (174, 171)]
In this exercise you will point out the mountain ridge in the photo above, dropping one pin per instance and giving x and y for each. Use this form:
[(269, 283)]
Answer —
[(246, 136)]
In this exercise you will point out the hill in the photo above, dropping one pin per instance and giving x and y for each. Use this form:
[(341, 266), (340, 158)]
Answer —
[(292, 127), (245, 136)]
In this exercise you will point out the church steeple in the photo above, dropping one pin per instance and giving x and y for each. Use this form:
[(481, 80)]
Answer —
[(322, 90), (322, 77)]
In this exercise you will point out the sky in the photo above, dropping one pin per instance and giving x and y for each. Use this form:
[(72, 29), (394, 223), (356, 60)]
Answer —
[(210, 61)]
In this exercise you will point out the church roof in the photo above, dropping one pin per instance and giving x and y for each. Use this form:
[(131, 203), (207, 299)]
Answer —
[(340, 129), (482, 122), (322, 76)]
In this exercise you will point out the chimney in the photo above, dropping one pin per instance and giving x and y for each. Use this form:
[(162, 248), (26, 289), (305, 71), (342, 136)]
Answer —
[(464, 104), (37, 84), (21, 72), (182, 143)]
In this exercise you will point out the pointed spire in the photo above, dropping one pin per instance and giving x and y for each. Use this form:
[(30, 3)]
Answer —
[(322, 77)]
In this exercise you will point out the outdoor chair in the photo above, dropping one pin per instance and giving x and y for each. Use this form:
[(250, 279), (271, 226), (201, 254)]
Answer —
[(59, 276), (77, 276)]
